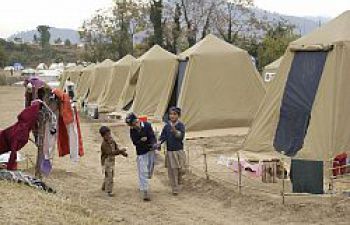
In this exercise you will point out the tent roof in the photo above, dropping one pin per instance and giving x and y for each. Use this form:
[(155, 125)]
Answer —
[(157, 53), (274, 65), (105, 63), (89, 67), (76, 68), (336, 30), (125, 61), (210, 45)]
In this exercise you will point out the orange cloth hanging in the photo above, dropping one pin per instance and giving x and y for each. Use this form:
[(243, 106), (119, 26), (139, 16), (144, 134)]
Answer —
[(65, 118)]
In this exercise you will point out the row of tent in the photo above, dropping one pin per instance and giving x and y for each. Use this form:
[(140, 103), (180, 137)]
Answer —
[(215, 83), (304, 113)]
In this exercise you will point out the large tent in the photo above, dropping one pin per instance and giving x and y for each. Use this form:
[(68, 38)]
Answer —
[(305, 113), (115, 84), (75, 73), (127, 96), (156, 75), (217, 86), (84, 82), (64, 77), (98, 80), (72, 74), (271, 69)]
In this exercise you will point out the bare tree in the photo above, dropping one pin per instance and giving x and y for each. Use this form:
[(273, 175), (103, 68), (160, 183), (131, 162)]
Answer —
[(233, 17), (197, 17)]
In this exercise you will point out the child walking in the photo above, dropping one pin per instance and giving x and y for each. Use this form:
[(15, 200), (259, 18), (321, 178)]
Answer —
[(109, 149), (173, 134), (144, 139)]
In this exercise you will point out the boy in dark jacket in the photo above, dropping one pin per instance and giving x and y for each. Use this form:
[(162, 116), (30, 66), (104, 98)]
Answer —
[(173, 134), (142, 136), (109, 149)]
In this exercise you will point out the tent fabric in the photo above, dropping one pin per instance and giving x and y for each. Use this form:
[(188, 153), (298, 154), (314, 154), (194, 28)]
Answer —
[(272, 68), (128, 92), (74, 74), (115, 84), (221, 86), (98, 80), (337, 30), (328, 133), (307, 176), (64, 77), (84, 82), (156, 78)]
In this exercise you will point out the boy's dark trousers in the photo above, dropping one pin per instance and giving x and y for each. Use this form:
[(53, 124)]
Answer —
[(109, 175)]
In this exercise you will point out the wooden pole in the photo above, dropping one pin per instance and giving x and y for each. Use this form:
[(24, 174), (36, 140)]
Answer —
[(27, 162), (283, 184), (205, 165), (239, 173), (188, 160), (40, 140), (331, 181)]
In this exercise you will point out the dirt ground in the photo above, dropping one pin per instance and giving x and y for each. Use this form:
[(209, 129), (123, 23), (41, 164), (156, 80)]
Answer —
[(79, 199)]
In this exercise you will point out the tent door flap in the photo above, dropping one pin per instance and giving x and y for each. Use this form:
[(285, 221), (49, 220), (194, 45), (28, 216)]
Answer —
[(298, 98), (175, 94)]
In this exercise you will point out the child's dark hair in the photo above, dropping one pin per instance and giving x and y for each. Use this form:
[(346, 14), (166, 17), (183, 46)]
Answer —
[(104, 130), (177, 110)]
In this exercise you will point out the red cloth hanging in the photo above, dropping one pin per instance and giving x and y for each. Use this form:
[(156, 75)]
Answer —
[(65, 118), (81, 147), (14, 138), (339, 164)]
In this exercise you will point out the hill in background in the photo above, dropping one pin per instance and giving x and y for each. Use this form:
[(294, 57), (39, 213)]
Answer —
[(62, 33)]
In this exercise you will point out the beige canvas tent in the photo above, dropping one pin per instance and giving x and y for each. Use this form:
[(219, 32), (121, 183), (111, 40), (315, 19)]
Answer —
[(72, 74), (156, 75), (115, 84), (98, 80), (84, 82), (128, 93), (270, 70), (306, 109), (217, 86), (75, 73), (64, 77)]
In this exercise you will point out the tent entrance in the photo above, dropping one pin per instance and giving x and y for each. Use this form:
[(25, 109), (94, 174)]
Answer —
[(128, 106), (299, 95), (175, 94)]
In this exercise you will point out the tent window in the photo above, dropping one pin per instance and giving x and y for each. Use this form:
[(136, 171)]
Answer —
[(299, 95), (177, 87)]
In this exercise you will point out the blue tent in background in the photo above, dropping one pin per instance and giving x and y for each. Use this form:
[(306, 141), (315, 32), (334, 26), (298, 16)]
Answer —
[(17, 66)]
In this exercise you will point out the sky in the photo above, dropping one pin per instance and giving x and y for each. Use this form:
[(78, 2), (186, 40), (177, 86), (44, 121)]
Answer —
[(324, 8), (21, 15)]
